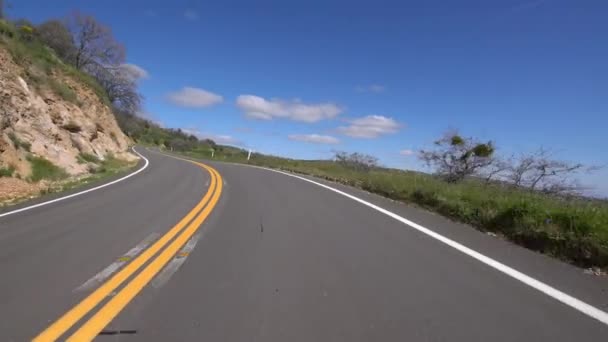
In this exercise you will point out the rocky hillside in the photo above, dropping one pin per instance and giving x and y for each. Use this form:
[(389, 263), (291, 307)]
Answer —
[(52, 116)]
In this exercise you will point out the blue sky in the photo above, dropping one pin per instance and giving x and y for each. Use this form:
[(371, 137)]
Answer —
[(377, 77)]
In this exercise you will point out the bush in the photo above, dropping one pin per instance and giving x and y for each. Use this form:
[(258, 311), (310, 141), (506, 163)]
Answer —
[(7, 171), (26, 32), (72, 127), (44, 169), (87, 158), (63, 91), (6, 29)]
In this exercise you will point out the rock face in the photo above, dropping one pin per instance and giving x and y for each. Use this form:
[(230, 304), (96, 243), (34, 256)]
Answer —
[(35, 118)]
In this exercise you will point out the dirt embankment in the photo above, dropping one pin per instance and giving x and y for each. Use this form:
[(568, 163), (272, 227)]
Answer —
[(60, 120)]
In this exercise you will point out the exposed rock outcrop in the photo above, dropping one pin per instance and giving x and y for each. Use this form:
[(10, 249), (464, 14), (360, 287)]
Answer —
[(35, 119)]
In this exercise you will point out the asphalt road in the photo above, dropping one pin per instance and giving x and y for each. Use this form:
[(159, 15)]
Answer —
[(275, 259)]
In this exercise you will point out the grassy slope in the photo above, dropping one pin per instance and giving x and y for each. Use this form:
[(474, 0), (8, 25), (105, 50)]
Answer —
[(575, 230)]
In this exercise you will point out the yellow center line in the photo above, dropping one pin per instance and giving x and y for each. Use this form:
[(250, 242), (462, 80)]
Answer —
[(59, 327), (106, 314)]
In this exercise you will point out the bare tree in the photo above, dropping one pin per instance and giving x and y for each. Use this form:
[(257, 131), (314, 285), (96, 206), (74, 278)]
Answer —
[(455, 157), (518, 171), (94, 42), (497, 169), (120, 84), (54, 34), (1, 9), (540, 171)]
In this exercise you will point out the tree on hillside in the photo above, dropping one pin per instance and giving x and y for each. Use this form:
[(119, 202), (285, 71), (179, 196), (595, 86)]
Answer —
[(54, 34), (455, 157), (539, 170), (497, 169), (94, 43), (120, 85), (1, 9)]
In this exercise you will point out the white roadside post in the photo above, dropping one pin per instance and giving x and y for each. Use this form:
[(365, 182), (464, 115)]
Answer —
[(212, 153), (249, 155)]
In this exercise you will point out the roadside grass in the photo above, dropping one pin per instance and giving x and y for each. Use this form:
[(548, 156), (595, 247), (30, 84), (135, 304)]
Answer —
[(571, 229), (44, 169), (103, 169), (87, 158)]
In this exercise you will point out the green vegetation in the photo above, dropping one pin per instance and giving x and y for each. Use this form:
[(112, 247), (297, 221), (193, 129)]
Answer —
[(18, 143), (571, 228), (41, 62), (148, 133), (109, 167), (44, 169), (63, 91), (7, 171), (87, 158)]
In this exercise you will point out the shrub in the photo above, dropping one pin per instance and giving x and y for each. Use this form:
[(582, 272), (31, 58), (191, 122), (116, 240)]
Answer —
[(26, 32), (7, 29), (87, 158), (44, 169), (7, 171), (63, 91), (72, 127)]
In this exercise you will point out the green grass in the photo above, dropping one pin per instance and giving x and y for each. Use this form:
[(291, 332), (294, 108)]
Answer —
[(61, 89), (44, 169), (572, 229), (110, 166), (87, 158), (7, 171)]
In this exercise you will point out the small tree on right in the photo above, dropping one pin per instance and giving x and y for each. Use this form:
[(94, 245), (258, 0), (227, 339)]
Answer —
[(455, 157), (540, 171)]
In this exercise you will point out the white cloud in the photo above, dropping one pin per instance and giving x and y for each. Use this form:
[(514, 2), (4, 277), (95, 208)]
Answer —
[(371, 126), (372, 88), (407, 152), (314, 138), (135, 71), (194, 98), (191, 14), (256, 107)]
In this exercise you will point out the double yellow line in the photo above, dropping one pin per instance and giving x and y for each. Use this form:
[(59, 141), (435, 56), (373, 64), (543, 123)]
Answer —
[(91, 328)]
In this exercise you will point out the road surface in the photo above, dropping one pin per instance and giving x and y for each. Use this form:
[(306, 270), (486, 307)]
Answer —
[(276, 258)]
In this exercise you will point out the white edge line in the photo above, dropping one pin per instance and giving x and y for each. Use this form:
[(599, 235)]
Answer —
[(84, 191), (550, 291)]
